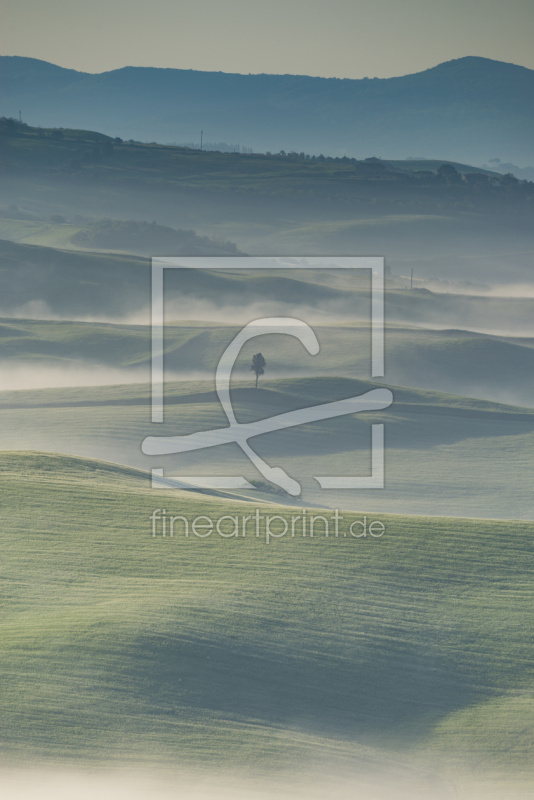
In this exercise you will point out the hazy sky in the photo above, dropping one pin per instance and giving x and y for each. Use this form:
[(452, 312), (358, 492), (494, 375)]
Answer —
[(344, 38)]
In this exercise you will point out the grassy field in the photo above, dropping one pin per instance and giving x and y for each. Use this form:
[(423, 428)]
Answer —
[(109, 236), (464, 231), (403, 655), (390, 667), (492, 367), (444, 454), (52, 282), (40, 232), (87, 153)]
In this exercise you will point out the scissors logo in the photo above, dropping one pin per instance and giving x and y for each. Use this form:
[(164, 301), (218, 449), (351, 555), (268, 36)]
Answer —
[(241, 433)]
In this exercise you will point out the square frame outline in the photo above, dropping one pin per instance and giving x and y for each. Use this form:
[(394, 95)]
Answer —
[(376, 264)]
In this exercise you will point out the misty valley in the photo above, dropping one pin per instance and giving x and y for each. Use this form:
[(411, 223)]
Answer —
[(139, 664)]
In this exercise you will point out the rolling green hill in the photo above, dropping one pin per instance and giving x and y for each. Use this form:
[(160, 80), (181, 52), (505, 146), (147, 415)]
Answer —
[(125, 236), (444, 454), (403, 656), (46, 281), (470, 228), (387, 667), (74, 156), (498, 368)]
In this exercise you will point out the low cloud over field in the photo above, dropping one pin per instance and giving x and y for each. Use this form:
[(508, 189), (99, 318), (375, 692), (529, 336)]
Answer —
[(421, 784)]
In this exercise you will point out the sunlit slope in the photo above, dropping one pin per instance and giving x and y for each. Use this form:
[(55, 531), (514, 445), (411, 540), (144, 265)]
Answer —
[(40, 232), (120, 646), (132, 236), (444, 454)]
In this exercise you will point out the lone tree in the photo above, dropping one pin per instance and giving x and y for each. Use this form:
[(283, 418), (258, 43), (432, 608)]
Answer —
[(258, 366)]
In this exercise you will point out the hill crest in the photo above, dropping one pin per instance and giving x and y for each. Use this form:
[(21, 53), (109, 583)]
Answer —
[(467, 109)]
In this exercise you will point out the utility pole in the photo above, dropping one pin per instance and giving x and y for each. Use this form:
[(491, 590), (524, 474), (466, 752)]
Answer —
[(411, 280), (20, 117), (201, 137)]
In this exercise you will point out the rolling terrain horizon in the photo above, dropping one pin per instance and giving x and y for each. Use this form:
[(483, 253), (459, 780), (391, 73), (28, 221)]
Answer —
[(436, 112), (266, 401)]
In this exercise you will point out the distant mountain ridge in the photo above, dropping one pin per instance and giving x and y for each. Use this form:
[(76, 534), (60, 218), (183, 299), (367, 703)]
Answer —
[(470, 109)]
